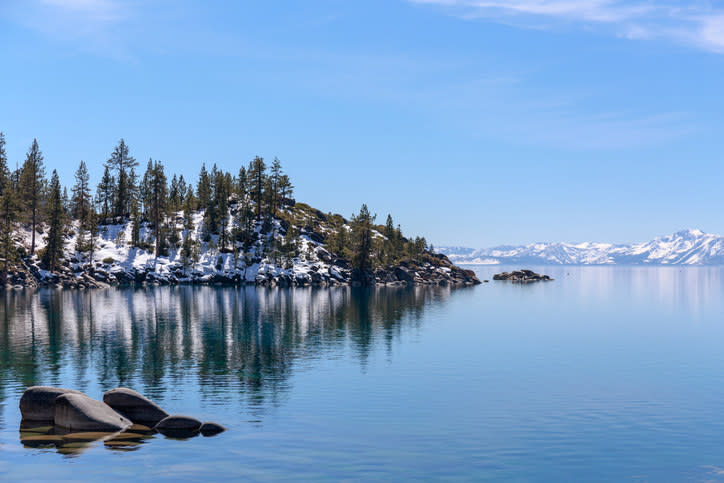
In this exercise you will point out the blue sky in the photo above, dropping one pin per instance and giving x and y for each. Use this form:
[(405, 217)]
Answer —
[(473, 122)]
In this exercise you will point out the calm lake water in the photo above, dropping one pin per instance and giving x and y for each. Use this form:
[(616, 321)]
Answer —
[(605, 374)]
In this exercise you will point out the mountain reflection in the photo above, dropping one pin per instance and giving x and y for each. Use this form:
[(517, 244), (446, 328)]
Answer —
[(158, 338)]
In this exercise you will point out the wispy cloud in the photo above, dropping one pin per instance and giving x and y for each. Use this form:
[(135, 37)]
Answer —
[(98, 10), (92, 25), (698, 24)]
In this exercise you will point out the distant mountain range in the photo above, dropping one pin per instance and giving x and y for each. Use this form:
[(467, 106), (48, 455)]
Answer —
[(686, 247)]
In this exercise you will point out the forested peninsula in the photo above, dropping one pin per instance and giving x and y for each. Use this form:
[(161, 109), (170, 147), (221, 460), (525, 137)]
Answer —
[(224, 228)]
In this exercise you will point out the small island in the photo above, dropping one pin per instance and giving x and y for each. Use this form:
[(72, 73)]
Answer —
[(522, 276)]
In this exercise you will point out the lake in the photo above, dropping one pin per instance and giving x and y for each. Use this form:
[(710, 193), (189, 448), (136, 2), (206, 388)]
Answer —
[(607, 373)]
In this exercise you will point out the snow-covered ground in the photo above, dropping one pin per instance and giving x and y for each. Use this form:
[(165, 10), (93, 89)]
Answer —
[(115, 260)]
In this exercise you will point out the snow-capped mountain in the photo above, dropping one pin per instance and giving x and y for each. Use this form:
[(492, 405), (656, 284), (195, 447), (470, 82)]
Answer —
[(686, 247)]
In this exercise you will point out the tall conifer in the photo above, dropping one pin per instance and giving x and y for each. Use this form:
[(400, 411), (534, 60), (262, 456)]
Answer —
[(32, 183), (122, 163), (53, 252)]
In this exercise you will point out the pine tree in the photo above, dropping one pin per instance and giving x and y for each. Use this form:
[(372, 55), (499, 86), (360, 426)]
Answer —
[(81, 201), (105, 193), (217, 213), (66, 202), (81, 205), (135, 226), (5, 179), (182, 189), (53, 253), (32, 183), (134, 191), (286, 190), (257, 178), (275, 175), (8, 211), (189, 204), (213, 210), (389, 228), (175, 194), (362, 238), (244, 224), (241, 183), (203, 190), (157, 202), (145, 188), (389, 246), (122, 163)]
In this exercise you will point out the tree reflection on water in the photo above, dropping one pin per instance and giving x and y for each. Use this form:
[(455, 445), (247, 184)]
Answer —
[(216, 339)]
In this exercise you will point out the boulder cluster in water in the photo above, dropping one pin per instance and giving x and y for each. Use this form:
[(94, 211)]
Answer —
[(70, 420), (522, 276)]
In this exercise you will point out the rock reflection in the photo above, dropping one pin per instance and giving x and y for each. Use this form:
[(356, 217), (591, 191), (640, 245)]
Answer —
[(242, 339), (74, 443)]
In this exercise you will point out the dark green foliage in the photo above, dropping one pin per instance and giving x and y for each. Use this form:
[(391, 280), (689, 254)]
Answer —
[(203, 190), (241, 183), (9, 206), (257, 179), (244, 224), (82, 199), (53, 252), (144, 188), (273, 182), (216, 216), (106, 193), (339, 241), (176, 193), (122, 164), (156, 201), (135, 226), (188, 207), (5, 179), (187, 248), (362, 238), (32, 184)]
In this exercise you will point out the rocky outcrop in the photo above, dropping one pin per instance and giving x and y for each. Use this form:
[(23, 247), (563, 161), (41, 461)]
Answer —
[(522, 276), (258, 260), (38, 402), (70, 421), (134, 406), (314, 274), (78, 412)]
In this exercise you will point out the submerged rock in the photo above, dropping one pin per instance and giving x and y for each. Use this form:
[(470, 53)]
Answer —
[(87, 437), (41, 440), (134, 406), (522, 276), (141, 429), (178, 426), (78, 412), (38, 402), (179, 422), (211, 429)]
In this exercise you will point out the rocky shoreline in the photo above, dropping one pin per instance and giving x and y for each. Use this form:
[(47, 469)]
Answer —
[(334, 272)]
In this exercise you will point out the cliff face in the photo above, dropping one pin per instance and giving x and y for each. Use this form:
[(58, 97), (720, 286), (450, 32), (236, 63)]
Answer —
[(265, 258)]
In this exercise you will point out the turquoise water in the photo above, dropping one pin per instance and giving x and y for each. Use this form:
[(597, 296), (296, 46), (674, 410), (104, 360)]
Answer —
[(605, 374)]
